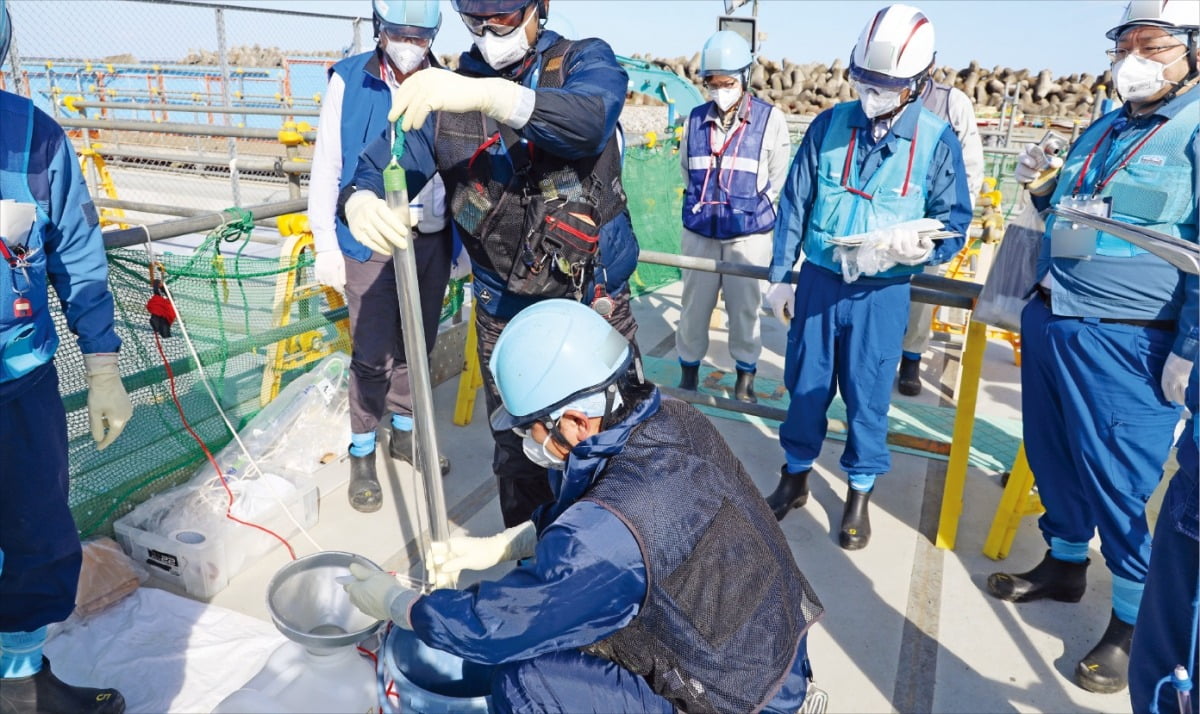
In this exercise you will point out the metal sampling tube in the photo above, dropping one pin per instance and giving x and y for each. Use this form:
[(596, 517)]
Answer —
[(424, 433)]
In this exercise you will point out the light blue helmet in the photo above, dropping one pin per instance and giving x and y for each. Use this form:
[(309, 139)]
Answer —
[(5, 31), (551, 353), (726, 52), (416, 18)]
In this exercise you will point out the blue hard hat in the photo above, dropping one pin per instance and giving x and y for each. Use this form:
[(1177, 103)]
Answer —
[(5, 31), (551, 353), (726, 52), (416, 18)]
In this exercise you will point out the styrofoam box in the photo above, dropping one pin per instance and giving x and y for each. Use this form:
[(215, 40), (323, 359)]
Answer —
[(202, 563)]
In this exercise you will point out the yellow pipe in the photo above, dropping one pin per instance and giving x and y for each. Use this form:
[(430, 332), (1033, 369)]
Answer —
[(964, 425)]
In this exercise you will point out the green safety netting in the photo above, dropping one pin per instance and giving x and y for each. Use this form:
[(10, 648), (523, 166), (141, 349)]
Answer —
[(227, 301), (654, 185)]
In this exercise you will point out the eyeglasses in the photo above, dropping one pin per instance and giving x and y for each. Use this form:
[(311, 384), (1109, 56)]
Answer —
[(423, 42), (722, 84), (1117, 53), (501, 25), (526, 432)]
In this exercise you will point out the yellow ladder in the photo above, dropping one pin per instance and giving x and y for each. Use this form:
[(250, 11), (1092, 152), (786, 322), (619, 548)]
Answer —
[(108, 216), (1019, 500), (308, 347), (471, 378)]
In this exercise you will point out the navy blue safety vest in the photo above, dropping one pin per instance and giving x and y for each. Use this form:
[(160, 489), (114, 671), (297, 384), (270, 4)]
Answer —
[(722, 199), (725, 604), (368, 99)]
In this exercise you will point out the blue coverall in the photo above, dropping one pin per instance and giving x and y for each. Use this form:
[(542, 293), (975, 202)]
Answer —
[(39, 543), (587, 581), (572, 122), (1167, 625), (1097, 427), (847, 336)]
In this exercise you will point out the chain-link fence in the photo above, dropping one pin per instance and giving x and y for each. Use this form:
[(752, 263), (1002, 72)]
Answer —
[(220, 83)]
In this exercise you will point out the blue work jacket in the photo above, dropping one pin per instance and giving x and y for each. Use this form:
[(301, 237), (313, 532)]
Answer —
[(573, 122), (947, 197), (64, 249), (1158, 187), (587, 581)]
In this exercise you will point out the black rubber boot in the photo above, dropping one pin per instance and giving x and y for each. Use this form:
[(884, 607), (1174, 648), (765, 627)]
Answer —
[(43, 693), (1105, 669), (792, 492), (856, 521), (400, 446), (366, 495), (910, 377), (1052, 578), (743, 390), (689, 377)]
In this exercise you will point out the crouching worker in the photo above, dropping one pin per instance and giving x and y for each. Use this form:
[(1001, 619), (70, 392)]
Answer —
[(659, 579)]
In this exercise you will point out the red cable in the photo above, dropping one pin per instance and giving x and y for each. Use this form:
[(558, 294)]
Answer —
[(211, 459)]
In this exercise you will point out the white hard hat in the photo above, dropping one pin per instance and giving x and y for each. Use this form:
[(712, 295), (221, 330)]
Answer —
[(1168, 14), (896, 46)]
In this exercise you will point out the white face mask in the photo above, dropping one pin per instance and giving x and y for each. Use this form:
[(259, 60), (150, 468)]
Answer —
[(1138, 78), (876, 101), (500, 52), (405, 55), (541, 454), (726, 97)]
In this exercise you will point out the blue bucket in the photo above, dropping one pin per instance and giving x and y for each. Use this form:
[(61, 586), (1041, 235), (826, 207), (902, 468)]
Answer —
[(430, 681)]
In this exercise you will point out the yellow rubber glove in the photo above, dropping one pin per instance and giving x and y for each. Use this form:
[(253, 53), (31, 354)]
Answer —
[(109, 408), (375, 225), (433, 89)]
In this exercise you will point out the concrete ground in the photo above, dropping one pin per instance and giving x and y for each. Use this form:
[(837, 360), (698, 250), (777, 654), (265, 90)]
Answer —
[(907, 626)]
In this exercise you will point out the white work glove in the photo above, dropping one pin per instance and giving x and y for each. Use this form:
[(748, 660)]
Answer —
[(1032, 165), (1176, 373), (330, 269), (433, 89), (375, 225), (907, 247), (461, 267), (782, 299), (451, 557), (379, 594), (108, 404)]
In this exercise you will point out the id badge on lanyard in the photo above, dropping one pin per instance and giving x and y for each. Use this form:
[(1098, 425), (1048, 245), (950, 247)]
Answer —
[(1075, 240)]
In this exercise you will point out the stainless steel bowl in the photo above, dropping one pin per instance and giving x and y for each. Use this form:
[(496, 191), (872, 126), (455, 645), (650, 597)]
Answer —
[(309, 606)]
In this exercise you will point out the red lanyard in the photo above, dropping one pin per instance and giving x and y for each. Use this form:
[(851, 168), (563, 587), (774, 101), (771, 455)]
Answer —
[(7, 255), (912, 150), (1088, 161), (740, 132)]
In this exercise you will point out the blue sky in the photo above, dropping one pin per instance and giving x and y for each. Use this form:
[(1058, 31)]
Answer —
[(1066, 36)]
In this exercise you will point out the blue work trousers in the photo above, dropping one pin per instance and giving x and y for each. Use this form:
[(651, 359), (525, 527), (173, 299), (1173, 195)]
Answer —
[(1097, 429), (1166, 624), (572, 682), (845, 337), (37, 534)]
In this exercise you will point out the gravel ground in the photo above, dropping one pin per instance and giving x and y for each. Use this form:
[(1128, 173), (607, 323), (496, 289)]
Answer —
[(637, 120)]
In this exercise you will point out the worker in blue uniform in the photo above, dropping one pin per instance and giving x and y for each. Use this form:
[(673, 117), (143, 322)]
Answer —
[(525, 137), (1165, 638), (49, 235), (1104, 341), (646, 491), (734, 165), (354, 112), (867, 168)]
